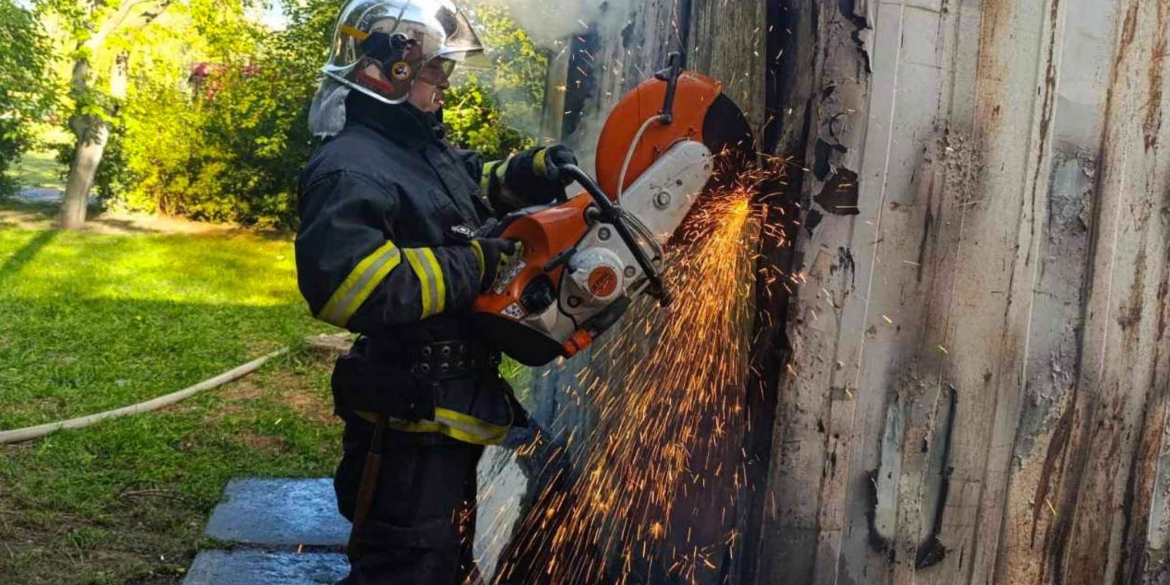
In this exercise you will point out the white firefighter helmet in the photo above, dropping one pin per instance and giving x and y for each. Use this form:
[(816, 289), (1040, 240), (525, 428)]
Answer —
[(380, 46)]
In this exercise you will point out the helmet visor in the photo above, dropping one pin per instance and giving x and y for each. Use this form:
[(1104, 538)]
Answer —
[(436, 71)]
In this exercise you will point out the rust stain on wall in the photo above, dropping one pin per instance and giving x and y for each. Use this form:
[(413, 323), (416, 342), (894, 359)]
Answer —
[(1153, 124)]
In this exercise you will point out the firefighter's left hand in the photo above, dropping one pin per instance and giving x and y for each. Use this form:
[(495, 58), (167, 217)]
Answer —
[(554, 157), (534, 176)]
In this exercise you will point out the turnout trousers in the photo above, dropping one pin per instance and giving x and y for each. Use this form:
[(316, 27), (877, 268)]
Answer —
[(421, 524)]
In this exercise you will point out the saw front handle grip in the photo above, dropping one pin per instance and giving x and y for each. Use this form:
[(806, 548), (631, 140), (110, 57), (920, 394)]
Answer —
[(610, 213)]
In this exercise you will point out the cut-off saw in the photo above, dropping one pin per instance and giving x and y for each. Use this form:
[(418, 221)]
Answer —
[(582, 260)]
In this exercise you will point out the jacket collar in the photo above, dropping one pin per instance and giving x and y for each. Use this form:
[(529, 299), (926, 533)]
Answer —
[(401, 123)]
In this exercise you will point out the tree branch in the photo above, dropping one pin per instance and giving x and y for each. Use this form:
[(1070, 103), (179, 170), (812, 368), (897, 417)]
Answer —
[(116, 20)]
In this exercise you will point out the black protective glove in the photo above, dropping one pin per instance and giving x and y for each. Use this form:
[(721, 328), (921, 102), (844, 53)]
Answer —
[(554, 157), (534, 176), (493, 255)]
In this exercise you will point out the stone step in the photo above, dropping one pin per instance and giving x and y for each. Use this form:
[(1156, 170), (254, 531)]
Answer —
[(279, 513), (258, 567), (266, 521)]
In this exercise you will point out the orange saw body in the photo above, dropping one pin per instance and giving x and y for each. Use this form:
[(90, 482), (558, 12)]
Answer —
[(583, 260)]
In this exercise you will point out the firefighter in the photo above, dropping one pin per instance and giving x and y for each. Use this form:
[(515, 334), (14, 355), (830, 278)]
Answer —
[(393, 246)]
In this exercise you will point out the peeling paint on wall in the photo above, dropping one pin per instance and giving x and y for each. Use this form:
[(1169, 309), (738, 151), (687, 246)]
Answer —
[(1008, 247), (977, 375)]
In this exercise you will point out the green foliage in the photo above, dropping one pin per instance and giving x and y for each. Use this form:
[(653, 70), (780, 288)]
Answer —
[(519, 68), (497, 111), (230, 147), (476, 122), (227, 147), (26, 91)]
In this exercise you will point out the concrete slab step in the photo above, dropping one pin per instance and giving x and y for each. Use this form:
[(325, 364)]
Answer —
[(270, 519), (257, 567), (279, 513)]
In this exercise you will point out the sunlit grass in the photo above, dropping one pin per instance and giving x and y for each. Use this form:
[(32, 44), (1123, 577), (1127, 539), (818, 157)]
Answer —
[(90, 322)]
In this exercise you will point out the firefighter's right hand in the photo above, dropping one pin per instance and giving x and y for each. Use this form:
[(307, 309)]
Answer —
[(493, 254)]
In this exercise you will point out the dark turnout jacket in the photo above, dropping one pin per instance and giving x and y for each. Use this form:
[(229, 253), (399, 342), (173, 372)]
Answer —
[(386, 207)]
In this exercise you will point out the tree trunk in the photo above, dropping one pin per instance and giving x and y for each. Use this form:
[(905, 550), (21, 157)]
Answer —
[(91, 145), (92, 135)]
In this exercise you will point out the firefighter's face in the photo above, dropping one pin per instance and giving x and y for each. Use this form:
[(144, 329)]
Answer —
[(426, 93)]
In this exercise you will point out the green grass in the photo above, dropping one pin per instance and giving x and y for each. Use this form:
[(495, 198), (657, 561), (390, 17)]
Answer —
[(90, 322), (40, 169), (125, 501)]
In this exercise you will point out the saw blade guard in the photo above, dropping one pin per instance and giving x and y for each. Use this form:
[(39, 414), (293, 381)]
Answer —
[(632, 138)]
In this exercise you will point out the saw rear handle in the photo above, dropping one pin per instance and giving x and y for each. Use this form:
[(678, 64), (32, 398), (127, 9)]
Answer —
[(610, 213)]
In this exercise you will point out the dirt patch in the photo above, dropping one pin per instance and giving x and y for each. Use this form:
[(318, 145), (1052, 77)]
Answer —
[(300, 387), (310, 405), (303, 392), (138, 540), (263, 443), (245, 389)]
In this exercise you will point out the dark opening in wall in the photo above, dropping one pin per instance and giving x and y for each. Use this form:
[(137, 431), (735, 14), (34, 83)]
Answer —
[(784, 135), (581, 85)]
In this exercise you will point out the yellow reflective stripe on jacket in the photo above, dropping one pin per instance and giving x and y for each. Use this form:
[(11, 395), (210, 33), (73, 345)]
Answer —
[(539, 165), (458, 426), (497, 169), (485, 179), (430, 278), (478, 250), (360, 283), (501, 169)]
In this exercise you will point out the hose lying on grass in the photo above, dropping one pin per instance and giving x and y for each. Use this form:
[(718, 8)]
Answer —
[(30, 433)]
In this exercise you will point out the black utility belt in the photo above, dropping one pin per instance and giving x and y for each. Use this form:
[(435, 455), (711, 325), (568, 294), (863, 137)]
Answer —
[(402, 383), (443, 360)]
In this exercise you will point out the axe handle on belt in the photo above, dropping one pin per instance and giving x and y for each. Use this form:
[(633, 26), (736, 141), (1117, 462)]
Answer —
[(365, 495)]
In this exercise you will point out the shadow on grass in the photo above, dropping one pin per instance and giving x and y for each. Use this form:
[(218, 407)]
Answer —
[(40, 215), (15, 213), (25, 254)]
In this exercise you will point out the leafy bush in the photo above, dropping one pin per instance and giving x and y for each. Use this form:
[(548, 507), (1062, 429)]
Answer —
[(26, 90), (230, 146)]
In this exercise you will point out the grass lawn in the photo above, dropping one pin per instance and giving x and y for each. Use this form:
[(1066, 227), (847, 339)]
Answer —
[(125, 501), (124, 312), (39, 169), (91, 321)]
